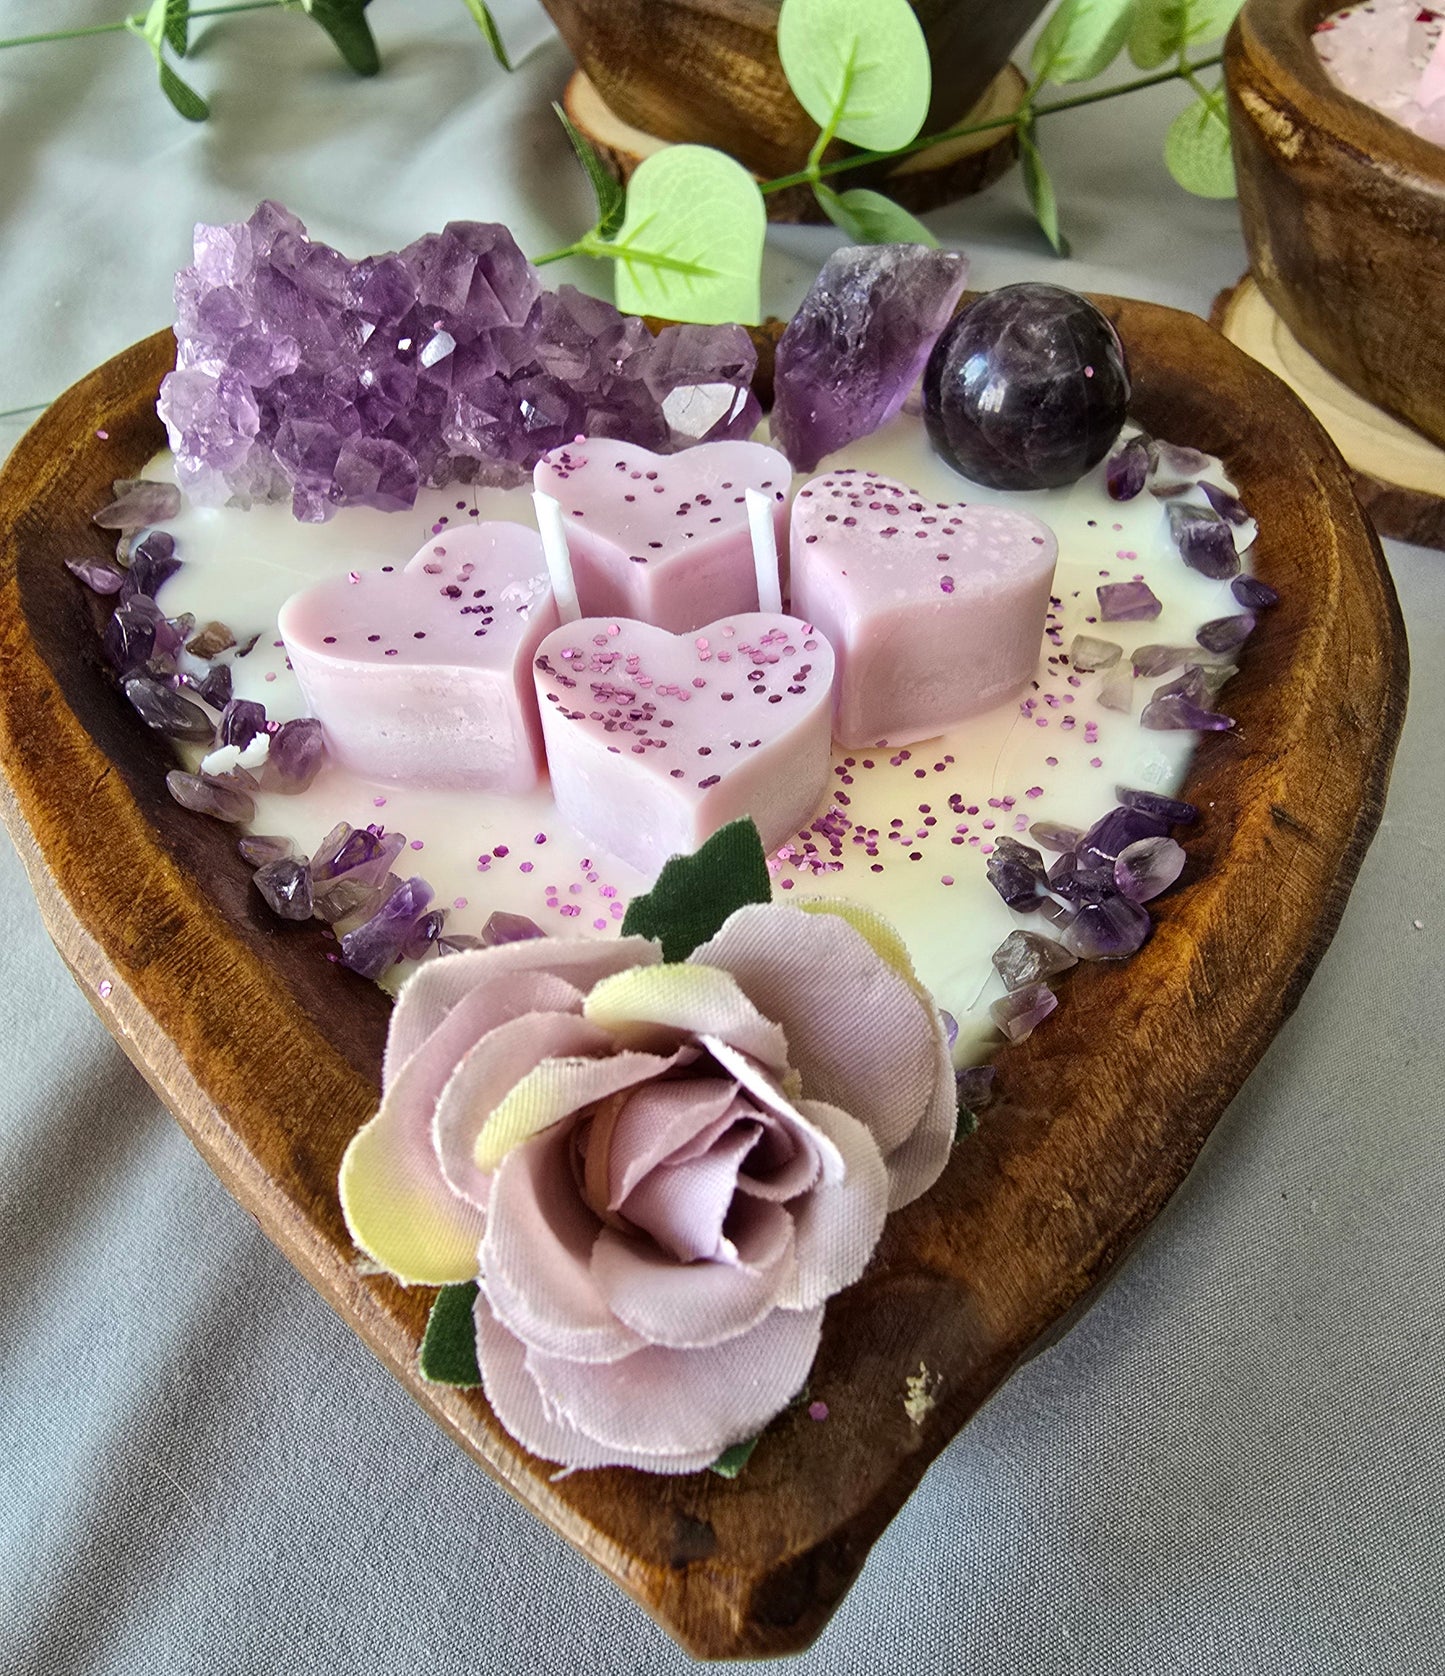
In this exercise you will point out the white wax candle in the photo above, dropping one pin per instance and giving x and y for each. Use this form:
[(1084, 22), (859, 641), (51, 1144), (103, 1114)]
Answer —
[(765, 550), (559, 560)]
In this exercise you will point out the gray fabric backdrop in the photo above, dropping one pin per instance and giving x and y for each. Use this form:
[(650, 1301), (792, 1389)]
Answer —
[(1233, 1464)]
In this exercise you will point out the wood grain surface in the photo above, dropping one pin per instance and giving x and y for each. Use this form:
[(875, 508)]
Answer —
[(1399, 476), (269, 1055), (923, 181), (1343, 212), (707, 71)]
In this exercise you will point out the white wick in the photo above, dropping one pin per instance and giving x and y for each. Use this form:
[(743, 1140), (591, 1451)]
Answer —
[(765, 551), (559, 560)]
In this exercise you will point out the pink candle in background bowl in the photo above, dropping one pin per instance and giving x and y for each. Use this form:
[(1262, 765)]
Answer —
[(655, 740), (664, 538), (935, 612), (423, 676)]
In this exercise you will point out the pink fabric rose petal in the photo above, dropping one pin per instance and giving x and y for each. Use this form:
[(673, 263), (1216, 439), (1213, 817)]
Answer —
[(659, 1120), (537, 1256), (650, 1007), (837, 1226), (434, 989), (518, 1404), (695, 1305), (683, 1206), (683, 1402), (858, 1033), (917, 1164), (488, 1072)]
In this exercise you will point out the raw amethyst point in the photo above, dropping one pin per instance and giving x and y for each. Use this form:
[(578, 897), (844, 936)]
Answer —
[(1170, 809)]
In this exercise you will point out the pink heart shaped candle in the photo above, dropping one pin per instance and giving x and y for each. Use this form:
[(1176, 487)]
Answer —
[(655, 740), (664, 538), (423, 676), (935, 612)]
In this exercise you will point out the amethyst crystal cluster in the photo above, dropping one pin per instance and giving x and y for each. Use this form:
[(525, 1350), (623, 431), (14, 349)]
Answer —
[(354, 383)]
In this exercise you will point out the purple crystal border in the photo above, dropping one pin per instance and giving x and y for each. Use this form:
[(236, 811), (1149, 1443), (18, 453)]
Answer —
[(340, 383)]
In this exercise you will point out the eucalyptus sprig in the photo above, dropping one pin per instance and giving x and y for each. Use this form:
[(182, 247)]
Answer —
[(165, 28), (687, 233)]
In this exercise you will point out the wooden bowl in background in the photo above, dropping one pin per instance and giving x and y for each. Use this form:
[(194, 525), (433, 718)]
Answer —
[(1344, 215), (707, 71)]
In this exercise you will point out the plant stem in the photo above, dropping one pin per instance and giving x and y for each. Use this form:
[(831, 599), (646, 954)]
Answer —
[(863, 159), (124, 24)]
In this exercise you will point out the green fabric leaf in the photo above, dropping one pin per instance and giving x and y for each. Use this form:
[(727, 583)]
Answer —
[(178, 26), (1196, 148), (449, 1349), (1081, 40), (967, 1124), (1040, 189), (732, 1461), (345, 22), (1163, 29), (860, 68), (488, 26), (185, 99), (691, 243), (606, 188), (695, 893), (870, 218)]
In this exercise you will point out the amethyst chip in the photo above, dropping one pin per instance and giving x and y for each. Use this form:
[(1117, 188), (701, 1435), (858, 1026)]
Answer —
[(163, 708), (974, 1084), (1170, 809), (1159, 660), (1253, 594), (1112, 833), (286, 886), (99, 577), (1112, 928), (502, 927), (1019, 1014), (1025, 957), (1052, 835), (139, 502), (152, 561), (257, 849), (1126, 471), (298, 750), (1228, 506), (129, 636), (857, 344), (1089, 653), (210, 797), (1223, 634), (1182, 704), (1205, 541), (1128, 602), (1016, 871), (377, 944), (1146, 868), (241, 720)]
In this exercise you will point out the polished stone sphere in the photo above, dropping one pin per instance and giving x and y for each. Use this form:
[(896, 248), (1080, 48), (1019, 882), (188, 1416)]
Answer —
[(1026, 389)]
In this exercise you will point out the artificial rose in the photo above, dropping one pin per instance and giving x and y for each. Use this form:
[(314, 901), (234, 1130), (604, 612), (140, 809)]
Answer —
[(657, 1173)]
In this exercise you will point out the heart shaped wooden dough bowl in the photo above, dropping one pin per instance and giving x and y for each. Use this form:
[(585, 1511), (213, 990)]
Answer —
[(269, 1055)]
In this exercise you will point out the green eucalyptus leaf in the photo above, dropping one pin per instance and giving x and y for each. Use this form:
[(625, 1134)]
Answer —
[(695, 894), (1196, 148), (151, 27), (1040, 188), (1081, 40), (484, 20), (178, 26), (606, 188), (1164, 29), (185, 99), (860, 68), (870, 218), (345, 22), (449, 1348), (691, 244)]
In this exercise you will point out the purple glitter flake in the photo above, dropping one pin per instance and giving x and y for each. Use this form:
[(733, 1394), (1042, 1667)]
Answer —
[(1128, 602), (856, 346), (344, 383)]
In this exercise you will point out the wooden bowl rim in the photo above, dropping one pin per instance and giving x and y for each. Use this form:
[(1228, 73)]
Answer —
[(1277, 36), (680, 1547)]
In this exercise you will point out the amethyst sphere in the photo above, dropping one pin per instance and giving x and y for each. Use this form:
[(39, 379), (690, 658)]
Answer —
[(1027, 389)]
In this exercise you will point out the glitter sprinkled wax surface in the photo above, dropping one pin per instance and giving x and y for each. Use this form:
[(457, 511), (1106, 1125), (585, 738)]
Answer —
[(905, 830)]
